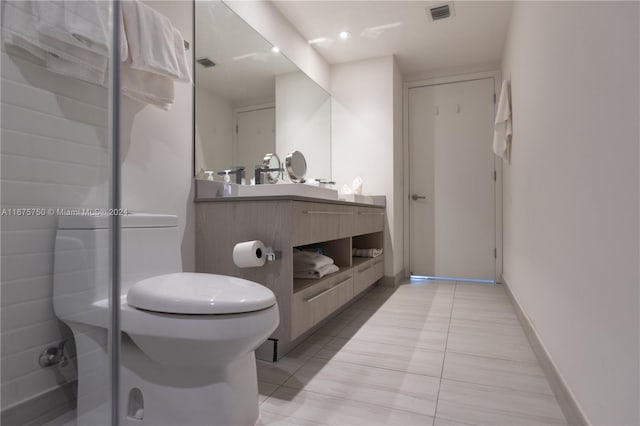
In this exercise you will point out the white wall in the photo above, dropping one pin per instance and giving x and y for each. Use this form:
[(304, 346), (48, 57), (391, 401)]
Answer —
[(303, 122), (571, 194), (263, 16), (157, 148), (214, 131), (365, 139)]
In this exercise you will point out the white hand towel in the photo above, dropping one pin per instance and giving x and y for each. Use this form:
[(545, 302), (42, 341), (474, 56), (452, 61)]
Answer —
[(317, 273), (79, 23), (74, 70), (74, 31), (181, 56), (147, 88), (372, 252), (502, 132), (307, 258), (19, 27), (151, 40)]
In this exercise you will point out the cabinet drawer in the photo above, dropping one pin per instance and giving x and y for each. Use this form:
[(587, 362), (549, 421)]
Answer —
[(367, 274), (368, 220), (314, 222), (313, 304)]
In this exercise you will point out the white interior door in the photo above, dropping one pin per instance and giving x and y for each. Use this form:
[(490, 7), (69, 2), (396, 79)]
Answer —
[(452, 229), (255, 137)]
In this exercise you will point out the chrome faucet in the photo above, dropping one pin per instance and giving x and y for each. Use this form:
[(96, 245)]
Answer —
[(260, 169), (238, 171)]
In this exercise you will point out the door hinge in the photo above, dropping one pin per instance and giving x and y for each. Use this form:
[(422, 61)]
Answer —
[(495, 253), (236, 129), (494, 98), (495, 176)]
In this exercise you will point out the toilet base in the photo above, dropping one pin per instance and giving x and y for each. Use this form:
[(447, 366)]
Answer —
[(155, 395)]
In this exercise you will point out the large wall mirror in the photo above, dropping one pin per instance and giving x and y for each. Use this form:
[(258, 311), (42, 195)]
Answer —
[(251, 100)]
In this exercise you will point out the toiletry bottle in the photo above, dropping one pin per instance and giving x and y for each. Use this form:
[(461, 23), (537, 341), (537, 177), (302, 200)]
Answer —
[(227, 184), (209, 174)]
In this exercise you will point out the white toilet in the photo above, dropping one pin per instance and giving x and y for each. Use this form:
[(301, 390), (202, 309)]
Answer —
[(188, 339)]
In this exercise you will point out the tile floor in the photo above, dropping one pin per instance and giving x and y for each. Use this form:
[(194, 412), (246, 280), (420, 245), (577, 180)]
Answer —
[(426, 353)]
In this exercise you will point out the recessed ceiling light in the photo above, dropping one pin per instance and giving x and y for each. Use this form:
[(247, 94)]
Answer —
[(275, 49), (344, 35)]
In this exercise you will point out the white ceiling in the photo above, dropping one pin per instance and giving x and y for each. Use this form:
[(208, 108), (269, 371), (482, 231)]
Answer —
[(475, 36)]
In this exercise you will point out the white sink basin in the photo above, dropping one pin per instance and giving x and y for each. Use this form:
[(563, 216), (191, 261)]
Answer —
[(213, 189), (292, 189)]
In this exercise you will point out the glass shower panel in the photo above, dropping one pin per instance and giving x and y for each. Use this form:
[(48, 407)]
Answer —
[(57, 181)]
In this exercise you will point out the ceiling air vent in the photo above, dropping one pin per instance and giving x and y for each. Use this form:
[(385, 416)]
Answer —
[(442, 11), (206, 62)]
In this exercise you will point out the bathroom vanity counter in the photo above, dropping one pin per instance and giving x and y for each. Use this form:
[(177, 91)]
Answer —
[(286, 223), (213, 191), (282, 198)]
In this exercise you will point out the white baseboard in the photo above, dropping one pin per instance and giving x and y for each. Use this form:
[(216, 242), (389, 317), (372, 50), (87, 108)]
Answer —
[(568, 403)]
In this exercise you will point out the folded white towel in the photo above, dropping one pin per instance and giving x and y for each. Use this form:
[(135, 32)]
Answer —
[(181, 56), (317, 273), (502, 130), (142, 86), (308, 258), (19, 27), (75, 70), (372, 252), (147, 88), (21, 23), (77, 23), (151, 40), (76, 32)]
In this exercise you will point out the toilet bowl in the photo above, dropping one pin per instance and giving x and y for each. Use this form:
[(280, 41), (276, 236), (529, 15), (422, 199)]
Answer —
[(188, 339)]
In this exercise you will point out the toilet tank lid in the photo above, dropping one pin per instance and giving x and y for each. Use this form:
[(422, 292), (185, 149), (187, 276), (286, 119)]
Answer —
[(196, 293), (96, 219)]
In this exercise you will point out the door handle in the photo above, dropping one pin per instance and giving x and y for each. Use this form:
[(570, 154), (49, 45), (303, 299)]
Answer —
[(416, 197)]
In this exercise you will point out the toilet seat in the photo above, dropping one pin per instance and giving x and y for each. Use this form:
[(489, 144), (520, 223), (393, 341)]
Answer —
[(197, 293)]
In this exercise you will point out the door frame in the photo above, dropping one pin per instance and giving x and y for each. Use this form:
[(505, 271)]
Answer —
[(240, 110), (497, 164)]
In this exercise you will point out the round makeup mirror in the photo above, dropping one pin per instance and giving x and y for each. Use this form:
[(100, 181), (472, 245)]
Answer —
[(296, 166), (272, 163)]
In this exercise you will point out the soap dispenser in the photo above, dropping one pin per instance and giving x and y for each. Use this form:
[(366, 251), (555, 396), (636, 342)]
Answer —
[(227, 184), (209, 174)]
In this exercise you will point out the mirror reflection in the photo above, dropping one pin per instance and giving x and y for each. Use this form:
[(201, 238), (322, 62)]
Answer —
[(250, 100)]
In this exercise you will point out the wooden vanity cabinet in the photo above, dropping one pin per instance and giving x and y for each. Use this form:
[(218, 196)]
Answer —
[(284, 224)]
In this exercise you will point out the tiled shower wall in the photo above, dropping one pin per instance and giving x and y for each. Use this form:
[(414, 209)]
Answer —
[(54, 151)]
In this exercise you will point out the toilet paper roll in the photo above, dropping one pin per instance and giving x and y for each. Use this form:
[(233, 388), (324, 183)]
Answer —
[(249, 254)]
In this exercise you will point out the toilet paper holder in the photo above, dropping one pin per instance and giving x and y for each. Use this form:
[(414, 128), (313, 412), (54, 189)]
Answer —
[(271, 255), (253, 254)]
